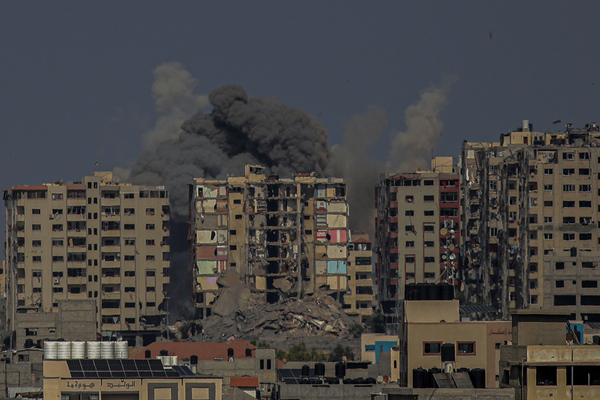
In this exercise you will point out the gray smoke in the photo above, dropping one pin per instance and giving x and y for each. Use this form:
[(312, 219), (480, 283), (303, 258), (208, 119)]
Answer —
[(412, 148), (359, 168)]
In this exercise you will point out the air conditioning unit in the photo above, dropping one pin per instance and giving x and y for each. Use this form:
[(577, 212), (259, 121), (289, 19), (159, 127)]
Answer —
[(56, 281), (51, 216)]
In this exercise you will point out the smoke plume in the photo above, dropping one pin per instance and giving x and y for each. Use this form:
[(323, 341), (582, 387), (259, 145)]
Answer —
[(361, 171), (412, 148)]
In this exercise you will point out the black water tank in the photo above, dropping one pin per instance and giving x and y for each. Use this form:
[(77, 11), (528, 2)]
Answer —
[(164, 353), (430, 379), (194, 360), (411, 291), (148, 354), (305, 371), (28, 343), (419, 380), (467, 370), (448, 352), (348, 381), (319, 369), (596, 339), (340, 369), (371, 381), (433, 291), (421, 291), (447, 292), (478, 377), (229, 352)]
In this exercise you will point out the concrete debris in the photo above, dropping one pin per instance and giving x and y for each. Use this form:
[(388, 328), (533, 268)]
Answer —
[(281, 325)]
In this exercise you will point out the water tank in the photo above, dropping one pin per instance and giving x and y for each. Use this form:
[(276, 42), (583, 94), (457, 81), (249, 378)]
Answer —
[(173, 360), (411, 291), (446, 292), (28, 343), (305, 371), (93, 350), (148, 354), (164, 352), (107, 350), (478, 377), (419, 380), (319, 369), (78, 350), (433, 292), (448, 353), (121, 350), (421, 290), (430, 379), (194, 360), (50, 350), (596, 339), (64, 350), (340, 370)]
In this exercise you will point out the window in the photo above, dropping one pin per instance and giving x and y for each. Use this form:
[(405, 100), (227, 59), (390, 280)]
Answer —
[(428, 198), (585, 203), (589, 284), (584, 171), (429, 244), (432, 348), (129, 227), (57, 196), (150, 258), (548, 220), (409, 213), (466, 348), (237, 201), (35, 211), (428, 182), (233, 247), (232, 232), (585, 188), (548, 188), (409, 199), (568, 188), (150, 272), (568, 171), (568, 236), (128, 195), (57, 242), (129, 242), (409, 259), (585, 236), (58, 258), (546, 376), (512, 201), (428, 228), (428, 213), (532, 202), (37, 258), (130, 257), (429, 259), (36, 227), (584, 156), (565, 300), (548, 236), (568, 156), (548, 203), (36, 243), (129, 211), (149, 211), (150, 242), (129, 274), (150, 227), (548, 171), (409, 228), (568, 220), (568, 204), (410, 244), (560, 265), (559, 284)]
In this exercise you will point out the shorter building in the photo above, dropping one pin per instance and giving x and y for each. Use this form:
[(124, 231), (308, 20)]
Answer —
[(237, 358), (359, 299), (126, 379), (429, 324), (74, 320)]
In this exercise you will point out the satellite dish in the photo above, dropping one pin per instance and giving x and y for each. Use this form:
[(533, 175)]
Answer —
[(452, 246), (443, 231), (380, 379), (452, 256), (444, 256), (451, 231)]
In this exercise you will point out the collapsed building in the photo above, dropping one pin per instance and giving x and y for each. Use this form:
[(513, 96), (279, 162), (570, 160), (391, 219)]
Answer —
[(285, 238), (530, 210)]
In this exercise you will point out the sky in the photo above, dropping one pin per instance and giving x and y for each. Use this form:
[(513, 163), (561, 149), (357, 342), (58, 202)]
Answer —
[(76, 77)]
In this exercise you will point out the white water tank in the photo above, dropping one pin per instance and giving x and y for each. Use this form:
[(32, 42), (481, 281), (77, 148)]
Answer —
[(107, 350), (50, 350), (93, 350), (121, 350), (64, 351), (78, 350), (173, 360), (165, 360)]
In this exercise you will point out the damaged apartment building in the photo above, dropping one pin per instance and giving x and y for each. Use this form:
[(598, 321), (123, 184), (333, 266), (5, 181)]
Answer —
[(531, 214), (96, 241), (417, 231), (284, 237)]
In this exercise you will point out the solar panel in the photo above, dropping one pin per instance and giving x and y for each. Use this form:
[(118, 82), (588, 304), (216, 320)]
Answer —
[(129, 365), (119, 374), (183, 370), (104, 374), (172, 374), (77, 374), (101, 365), (90, 374), (88, 365), (159, 374), (156, 365), (142, 365), (145, 374), (115, 365), (74, 365)]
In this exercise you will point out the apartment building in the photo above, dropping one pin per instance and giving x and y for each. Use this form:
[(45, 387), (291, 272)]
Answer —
[(284, 237), (417, 230), (530, 205), (94, 239), (359, 299)]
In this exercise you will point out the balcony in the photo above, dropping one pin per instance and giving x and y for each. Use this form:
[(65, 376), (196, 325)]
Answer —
[(111, 280), (111, 295), (76, 280)]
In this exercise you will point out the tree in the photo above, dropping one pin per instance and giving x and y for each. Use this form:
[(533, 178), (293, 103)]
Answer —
[(340, 351)]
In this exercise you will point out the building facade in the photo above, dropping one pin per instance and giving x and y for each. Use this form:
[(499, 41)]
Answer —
[(283, 237), (417, 231), (359, 299), (531, 216), (94, 239)]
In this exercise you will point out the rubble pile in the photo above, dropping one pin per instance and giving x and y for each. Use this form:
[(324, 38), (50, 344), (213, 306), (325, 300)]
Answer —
[(282, 325)]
